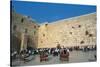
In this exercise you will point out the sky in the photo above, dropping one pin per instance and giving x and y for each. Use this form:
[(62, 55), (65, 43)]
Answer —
[(50, 12)]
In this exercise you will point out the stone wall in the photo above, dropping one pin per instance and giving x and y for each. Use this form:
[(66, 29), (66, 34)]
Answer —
[(25, 29), (76, 31)]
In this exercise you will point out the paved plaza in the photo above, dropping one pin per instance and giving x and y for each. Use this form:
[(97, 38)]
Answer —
[(75, 56)]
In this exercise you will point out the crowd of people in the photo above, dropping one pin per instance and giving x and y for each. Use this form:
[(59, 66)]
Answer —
[(63, 53)]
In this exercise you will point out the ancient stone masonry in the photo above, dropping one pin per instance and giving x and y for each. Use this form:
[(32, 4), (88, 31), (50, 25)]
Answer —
[(25, 30), (76, 31)]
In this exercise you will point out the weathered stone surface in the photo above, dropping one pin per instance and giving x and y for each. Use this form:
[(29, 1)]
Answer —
[(76, 31), (25, 29), (68, 32)]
